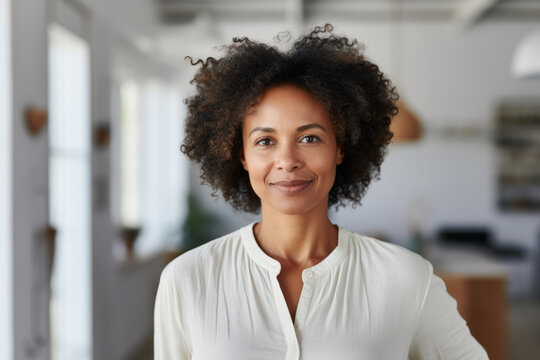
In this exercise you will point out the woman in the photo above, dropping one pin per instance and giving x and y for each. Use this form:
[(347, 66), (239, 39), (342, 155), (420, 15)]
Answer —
[(291, 134)]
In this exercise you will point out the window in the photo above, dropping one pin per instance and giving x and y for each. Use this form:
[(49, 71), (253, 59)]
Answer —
[(164, 175), (130, 158), (69, 194), (153, 176)]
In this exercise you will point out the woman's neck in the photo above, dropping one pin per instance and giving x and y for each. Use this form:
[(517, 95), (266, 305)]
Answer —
[(297, 240)]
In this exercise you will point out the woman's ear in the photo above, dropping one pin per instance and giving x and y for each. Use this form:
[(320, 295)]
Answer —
[(339, 156), (243, 159)]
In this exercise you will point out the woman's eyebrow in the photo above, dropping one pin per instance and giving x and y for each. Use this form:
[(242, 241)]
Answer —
[(310, 126), (263, 129), (299, 129)]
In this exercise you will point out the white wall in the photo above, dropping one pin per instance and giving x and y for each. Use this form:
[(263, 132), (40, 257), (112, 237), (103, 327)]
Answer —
[(29, 179), (457, 76), (129, 17), (6, 273)]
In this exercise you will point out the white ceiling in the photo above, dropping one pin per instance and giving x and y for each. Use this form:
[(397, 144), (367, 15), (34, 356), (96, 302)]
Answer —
[(195, 26), (467, 11)]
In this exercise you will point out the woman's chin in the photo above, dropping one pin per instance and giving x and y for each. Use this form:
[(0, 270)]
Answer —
[(291, 207)]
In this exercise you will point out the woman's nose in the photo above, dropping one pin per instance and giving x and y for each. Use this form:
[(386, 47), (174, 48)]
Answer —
[(288, 158)]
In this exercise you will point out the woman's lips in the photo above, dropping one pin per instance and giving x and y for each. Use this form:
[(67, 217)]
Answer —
[(291, 187)]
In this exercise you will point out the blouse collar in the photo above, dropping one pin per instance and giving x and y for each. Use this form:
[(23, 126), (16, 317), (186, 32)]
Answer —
[(274, 267)]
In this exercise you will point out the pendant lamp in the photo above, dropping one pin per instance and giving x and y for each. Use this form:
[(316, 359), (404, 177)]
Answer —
[(526, 60), (405, 125)]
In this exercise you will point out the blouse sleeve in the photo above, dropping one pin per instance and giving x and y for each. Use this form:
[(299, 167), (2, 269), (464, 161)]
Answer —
[(170, 340), (441, 333)]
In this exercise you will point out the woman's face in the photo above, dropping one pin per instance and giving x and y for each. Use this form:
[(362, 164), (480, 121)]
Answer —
[(290, 151)]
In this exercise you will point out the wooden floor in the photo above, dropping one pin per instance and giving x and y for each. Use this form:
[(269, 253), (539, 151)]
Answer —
[(523, 330)]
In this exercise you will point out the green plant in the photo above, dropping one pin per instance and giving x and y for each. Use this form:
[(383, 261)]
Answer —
[(200, 225)]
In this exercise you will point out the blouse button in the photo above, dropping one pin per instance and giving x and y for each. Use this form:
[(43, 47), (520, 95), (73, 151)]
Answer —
[(309, 274)]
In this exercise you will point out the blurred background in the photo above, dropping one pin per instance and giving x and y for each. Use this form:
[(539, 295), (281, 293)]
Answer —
[(95, 196)]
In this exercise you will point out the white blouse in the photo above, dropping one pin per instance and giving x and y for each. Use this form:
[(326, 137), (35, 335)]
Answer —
[(368, 299)]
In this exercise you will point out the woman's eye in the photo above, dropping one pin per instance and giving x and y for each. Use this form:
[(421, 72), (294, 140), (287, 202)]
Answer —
[(264, 142), (309, 139)]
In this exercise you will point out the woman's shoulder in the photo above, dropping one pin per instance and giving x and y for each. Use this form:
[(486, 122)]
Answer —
[(206, 257), (393, 257)]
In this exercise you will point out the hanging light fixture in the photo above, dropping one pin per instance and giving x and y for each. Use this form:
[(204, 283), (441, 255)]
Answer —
[(526, 60), (405, 125)]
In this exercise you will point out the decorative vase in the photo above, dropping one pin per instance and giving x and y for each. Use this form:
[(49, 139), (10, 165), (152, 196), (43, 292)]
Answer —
[(129, 236)]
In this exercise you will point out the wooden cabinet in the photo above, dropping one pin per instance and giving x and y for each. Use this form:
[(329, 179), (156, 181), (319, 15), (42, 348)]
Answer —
[(482, 302)]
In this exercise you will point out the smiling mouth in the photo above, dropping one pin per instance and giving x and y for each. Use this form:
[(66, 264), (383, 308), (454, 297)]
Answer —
[(291, 187)]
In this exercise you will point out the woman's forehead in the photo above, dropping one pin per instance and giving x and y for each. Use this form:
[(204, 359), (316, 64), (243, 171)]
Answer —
[(287, 105)]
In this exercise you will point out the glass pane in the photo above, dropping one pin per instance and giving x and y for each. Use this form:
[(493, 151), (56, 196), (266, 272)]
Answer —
[(130, 156), (165, 175)]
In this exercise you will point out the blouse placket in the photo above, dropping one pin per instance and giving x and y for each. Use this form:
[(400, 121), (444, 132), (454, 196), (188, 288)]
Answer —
[(292, 331)]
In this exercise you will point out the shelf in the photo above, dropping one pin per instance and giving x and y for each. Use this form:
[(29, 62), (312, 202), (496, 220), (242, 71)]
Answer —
[(517, 137)]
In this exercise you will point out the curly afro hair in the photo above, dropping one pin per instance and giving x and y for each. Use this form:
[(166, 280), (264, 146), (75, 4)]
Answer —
[(333, 69)]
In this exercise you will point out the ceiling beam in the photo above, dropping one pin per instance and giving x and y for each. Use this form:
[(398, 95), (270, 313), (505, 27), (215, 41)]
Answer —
[(294, 13), (240, 7), (472, 11)]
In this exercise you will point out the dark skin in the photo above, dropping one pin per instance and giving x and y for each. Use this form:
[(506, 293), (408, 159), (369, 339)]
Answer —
[(290, 276), (290, 281), (290, 152)]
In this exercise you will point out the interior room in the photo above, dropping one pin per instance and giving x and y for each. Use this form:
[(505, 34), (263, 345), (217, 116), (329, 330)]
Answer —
[(96, 197)]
